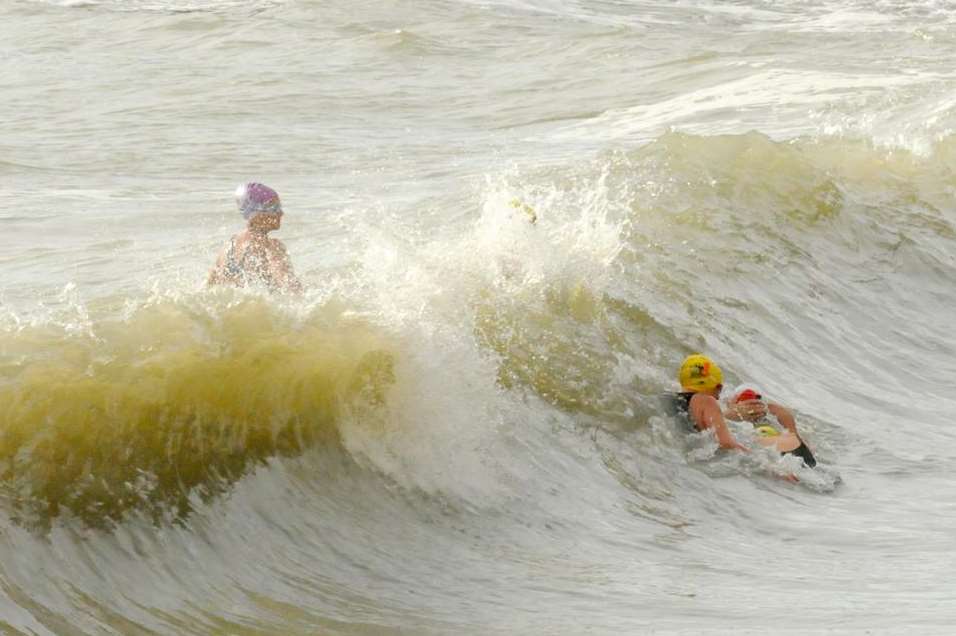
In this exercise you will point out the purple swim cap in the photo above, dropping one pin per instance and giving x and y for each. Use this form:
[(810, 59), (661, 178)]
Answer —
[(255, 198)]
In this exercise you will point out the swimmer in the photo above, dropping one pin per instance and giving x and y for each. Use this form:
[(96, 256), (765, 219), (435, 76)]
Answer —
[(251, 257), (701, 382), (748, 405)]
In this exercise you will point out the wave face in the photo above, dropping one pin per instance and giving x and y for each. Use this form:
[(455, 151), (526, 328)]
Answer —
[(142, 413), (514, 220)]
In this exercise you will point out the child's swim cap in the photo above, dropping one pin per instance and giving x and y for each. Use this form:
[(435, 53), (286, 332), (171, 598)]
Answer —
[(255, 198), (744, 393), (699, 373)]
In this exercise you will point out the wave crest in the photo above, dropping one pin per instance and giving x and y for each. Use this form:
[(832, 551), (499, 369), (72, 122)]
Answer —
[(171, 404)]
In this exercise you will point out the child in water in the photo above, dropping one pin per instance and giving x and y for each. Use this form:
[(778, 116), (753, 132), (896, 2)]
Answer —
[(251, 257)]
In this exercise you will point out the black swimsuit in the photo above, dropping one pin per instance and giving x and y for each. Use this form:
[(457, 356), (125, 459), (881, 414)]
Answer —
[(681, 405), (682, 401), (803, 453)]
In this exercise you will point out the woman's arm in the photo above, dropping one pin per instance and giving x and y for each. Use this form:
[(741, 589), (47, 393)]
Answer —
[(281, 269), (706, 413), (784, 416)]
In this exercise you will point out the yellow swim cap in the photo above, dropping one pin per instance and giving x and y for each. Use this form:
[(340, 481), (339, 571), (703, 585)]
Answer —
[(700, 373), (767, 431)]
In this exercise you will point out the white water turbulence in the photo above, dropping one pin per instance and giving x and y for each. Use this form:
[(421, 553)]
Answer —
[(513, 220)]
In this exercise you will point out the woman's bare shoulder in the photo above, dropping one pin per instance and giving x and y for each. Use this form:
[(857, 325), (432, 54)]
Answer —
[(277, 246)]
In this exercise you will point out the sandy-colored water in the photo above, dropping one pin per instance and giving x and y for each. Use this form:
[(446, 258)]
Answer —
[(457, 428)]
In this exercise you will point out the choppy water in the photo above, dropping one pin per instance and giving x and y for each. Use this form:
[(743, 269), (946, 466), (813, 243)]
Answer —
[(458, 428)]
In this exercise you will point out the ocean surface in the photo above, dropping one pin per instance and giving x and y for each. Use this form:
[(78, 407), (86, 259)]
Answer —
[(514, 218)]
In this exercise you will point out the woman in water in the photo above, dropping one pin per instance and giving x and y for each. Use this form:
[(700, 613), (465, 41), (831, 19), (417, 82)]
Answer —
[(748, 405), (251, 257)]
